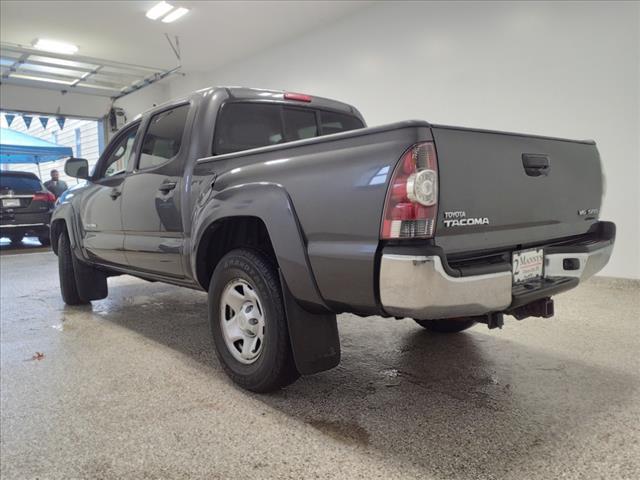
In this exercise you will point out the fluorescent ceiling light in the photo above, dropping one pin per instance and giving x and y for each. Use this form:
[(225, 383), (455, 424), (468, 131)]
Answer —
[(175, 15), (55, 46), (158, 10), (40, 79)]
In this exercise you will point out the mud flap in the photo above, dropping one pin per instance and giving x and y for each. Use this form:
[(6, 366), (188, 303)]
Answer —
[(91, 283), (314, 337)]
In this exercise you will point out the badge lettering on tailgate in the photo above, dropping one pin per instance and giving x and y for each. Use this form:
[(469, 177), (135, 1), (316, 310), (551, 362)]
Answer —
[(459, 219)]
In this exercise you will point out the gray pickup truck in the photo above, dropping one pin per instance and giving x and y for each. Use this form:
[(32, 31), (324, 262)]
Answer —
[(288, 211)]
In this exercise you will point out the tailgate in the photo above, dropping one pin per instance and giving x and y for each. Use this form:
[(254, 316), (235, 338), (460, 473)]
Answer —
[(502, 190)]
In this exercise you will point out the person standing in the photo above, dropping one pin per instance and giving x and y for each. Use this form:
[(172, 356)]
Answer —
[(55, 185)]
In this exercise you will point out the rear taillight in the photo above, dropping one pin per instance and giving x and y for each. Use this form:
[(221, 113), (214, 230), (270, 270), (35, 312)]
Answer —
[(412, 198), (44, 197)]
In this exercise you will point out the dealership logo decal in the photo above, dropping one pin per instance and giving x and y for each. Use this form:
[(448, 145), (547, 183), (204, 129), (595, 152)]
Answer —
[(459, 219), (583, 212)]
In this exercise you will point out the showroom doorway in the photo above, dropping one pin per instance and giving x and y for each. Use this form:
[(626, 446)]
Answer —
[(85, 136)]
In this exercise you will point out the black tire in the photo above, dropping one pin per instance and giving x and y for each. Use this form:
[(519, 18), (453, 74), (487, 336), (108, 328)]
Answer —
[(45, 241), (447, 325), (274, 368), (68, 285)]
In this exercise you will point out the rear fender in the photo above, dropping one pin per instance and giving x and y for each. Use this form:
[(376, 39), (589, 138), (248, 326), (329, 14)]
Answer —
[(312, 326), (271, 204)]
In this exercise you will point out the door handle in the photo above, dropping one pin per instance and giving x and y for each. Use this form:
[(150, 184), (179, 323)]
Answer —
[(166, 187), (536, 164), (115, 193)]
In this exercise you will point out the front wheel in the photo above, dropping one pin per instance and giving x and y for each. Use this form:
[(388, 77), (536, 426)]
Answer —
[(447, 325), (248, 322), (68, 284)]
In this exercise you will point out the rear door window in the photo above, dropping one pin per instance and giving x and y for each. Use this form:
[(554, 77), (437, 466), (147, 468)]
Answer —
[(163, 137), (19, 184)]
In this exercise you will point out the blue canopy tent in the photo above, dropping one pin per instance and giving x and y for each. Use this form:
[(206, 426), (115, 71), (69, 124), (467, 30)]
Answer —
[(18, 147)]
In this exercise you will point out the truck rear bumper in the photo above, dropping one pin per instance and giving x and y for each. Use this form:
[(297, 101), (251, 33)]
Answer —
[(418, 286)]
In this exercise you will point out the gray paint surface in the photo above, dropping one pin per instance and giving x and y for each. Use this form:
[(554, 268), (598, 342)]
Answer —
[(130, 388), (322, 198)]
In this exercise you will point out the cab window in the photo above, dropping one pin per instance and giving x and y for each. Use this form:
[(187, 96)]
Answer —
[(242, 126), (245, 125), (332, 122), (120, 154), (163, 138)]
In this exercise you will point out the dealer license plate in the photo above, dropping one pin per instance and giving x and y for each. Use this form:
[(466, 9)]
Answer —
[(10, 202), (527, 265)]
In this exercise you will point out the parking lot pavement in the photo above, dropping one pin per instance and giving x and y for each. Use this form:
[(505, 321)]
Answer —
[(130, 388)]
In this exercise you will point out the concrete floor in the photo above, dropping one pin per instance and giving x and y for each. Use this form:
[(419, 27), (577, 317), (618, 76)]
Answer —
[(130, 388)]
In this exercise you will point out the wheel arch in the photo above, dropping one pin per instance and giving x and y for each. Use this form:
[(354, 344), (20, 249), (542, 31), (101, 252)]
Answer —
[(62, 219), (224, 235), (255, 215)]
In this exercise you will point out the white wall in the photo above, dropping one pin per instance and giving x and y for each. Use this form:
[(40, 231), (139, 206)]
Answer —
[(562, 69), (142, 100)]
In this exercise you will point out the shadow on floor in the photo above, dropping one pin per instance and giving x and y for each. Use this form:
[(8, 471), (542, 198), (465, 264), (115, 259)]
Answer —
[(442, 403)]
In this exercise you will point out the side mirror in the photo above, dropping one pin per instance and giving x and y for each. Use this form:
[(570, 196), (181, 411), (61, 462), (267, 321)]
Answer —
[(77, 167)]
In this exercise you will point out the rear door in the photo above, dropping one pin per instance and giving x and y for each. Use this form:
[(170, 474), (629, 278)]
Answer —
[(100, 213), (151, 205)]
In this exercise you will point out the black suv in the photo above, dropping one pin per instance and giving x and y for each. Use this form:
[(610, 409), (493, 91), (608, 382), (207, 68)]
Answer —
[(25, 207)]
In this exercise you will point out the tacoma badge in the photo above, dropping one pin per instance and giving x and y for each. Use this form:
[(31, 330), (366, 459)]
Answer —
[(459, 219)]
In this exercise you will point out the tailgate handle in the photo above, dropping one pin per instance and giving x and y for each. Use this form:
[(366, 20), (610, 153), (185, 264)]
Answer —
[(536, 164)]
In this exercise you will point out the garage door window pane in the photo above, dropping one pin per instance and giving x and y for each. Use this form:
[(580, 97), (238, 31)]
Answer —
[(164, 137), (242, 126)]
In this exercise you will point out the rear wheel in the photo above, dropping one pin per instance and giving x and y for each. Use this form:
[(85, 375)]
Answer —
[(248, 322), (447, 325), (68, 285)]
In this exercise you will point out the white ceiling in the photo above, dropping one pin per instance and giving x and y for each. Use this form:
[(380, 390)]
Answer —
[(211, 34)]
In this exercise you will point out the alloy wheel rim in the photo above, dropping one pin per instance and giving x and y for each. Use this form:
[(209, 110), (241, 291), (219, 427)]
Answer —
[(242, 321)]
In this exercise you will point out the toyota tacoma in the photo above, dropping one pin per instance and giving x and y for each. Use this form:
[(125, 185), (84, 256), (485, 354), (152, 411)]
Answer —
[(288, 210)]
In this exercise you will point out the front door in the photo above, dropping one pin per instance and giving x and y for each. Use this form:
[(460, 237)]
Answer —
[(101, 214), (151, 208)]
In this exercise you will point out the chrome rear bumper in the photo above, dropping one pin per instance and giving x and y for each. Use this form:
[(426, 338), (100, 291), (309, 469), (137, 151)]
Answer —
[(590, 263), (419, 287)]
